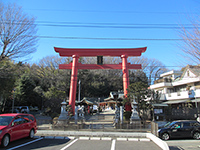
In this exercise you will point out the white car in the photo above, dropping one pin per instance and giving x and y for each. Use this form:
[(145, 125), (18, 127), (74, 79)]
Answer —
[(24, 109), (95, 108)]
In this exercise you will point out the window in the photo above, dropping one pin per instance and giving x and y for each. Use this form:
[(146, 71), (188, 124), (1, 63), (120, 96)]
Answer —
[(18, 121), (188, 73), (195, 124), (186, 124), (5, 120)]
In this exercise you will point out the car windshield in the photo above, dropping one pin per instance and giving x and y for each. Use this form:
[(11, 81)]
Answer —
[(5, 120), (169, 124)]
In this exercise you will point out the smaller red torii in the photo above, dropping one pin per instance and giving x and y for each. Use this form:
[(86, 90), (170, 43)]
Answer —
[(75, 53)]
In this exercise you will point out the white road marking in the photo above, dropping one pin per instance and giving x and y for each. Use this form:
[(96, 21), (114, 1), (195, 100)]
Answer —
[(106, 138), (84, 138), (133, 139), (69, 144), (113, 145), (95, 138), (144, 139), (121, 139), (25, 144)]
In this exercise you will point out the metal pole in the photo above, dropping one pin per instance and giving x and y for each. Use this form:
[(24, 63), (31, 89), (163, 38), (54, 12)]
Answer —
[(13, 103), (79, 91), (196, 102), (98, 105), (196, 107)]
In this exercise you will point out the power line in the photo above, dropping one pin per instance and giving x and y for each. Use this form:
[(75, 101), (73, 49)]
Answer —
[(122, 39), (103, 11), (104, 38), (107, 25)]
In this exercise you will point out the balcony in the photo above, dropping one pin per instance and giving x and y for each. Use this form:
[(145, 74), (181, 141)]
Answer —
[(160, 83), (180, 95), (166, 80)]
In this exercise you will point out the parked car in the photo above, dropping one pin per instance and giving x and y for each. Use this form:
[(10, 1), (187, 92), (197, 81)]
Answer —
[(180, 129), (15, 126), (24, 109), (94, 108)]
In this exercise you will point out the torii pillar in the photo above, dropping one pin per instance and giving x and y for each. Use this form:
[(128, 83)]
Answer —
[(73, 84), (125, 74), (75, 53)]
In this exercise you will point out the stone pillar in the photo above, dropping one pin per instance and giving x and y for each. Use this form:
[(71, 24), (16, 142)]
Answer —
[(121, 114), (73, 85)]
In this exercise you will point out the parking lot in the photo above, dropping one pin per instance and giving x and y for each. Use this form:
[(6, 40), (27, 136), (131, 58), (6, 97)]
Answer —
[(184, 144), (83, 143), (86, 143)]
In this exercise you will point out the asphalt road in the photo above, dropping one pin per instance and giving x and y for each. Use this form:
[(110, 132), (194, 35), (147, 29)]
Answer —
[(85, 143), (60, 143), (184, 144)]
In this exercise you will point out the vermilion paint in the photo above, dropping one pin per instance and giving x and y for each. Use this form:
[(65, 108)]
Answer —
[(124, 53)]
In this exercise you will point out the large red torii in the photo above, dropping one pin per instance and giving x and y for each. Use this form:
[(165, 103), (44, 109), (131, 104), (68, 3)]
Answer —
[(75, 53)]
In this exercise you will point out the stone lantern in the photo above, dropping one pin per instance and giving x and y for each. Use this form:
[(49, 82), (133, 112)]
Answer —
[(134, 116), (64, 117)]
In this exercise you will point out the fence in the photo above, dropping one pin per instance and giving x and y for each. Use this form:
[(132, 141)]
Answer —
[(137, 126)]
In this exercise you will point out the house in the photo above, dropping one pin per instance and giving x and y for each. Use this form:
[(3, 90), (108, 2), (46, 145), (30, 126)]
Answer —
[(179, 88)]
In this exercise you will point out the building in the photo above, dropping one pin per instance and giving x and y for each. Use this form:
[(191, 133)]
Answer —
[(179, 88), (113, 99)]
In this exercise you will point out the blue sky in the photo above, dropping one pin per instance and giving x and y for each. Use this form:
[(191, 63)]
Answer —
[(119, 19)]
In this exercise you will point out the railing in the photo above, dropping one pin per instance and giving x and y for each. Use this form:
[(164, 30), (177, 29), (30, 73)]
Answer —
[(137, 126), (162, 80)]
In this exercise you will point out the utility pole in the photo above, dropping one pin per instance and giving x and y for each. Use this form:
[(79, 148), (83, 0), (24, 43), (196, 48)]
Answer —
[(13, 103)]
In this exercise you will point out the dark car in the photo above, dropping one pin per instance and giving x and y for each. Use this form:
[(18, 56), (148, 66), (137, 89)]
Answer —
[(180, 129), (15, 126)]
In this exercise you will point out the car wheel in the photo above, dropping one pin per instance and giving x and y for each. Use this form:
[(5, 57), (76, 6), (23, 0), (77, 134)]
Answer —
[(5, 140), (165, 136), (196, 135), (31, 134)]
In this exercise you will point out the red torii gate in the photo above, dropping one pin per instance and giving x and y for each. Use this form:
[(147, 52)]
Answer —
[(75, 53)]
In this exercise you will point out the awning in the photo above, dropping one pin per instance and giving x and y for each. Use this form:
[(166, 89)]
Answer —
[(177, 101), (195, 100), (160, 105)]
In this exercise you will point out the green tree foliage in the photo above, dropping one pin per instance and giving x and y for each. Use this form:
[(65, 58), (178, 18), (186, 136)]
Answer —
[(137, 91), (25, 93), (9, 72)]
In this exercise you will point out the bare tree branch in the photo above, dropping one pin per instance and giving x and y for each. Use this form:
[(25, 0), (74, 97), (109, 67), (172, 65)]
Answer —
[(191, 44), (17, 32)]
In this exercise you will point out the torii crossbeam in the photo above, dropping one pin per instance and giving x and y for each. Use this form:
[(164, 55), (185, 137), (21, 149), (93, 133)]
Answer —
[(75, 53)]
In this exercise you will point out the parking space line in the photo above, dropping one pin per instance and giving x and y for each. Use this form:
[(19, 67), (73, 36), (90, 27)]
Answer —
[(106, 138), (84, 138), (69, 144), (25, 144), (113, 145), (121, 139), (95, 138)]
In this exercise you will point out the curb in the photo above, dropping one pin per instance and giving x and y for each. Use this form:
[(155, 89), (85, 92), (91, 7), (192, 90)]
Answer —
[(162, 144)]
